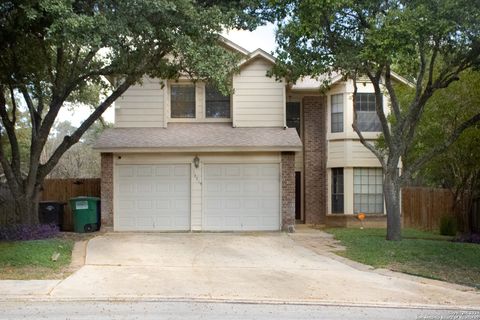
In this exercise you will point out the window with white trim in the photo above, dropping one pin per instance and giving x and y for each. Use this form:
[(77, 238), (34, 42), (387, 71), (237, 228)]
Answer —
[(217, 105), (368, 190), (337, 190), (182, 101), (367, 118), (336, 113)]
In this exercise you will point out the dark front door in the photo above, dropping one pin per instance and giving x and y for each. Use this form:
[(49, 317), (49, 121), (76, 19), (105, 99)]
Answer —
[(298, 195)]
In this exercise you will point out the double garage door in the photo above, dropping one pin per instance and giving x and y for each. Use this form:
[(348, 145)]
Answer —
[(233, 197)]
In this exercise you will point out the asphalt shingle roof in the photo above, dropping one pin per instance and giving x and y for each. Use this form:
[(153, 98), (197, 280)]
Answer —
[(200, 136)]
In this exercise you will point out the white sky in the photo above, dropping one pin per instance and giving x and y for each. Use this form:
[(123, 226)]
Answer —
[(263, 37)]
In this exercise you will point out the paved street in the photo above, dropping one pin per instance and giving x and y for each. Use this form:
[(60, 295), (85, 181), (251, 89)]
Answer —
[(215, 311)]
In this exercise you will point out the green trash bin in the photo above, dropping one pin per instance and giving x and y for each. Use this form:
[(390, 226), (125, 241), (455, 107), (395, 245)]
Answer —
[(86, 214)]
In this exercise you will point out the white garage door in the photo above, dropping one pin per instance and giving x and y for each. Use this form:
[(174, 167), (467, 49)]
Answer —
[(152, 197), (241, 197)]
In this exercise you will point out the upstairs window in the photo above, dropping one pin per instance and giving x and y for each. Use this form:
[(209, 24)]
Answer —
[(293, 116), (182, 101), (337, 113), (217, 105), (367, 118)]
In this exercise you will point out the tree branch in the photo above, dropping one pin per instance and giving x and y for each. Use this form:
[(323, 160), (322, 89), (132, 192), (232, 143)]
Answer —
[(12, 179), (367, 144), (416, 165), (431, 67), (68, 141), (375, 79), (14, 144), (392, 94), (9, 126), (35, 117)]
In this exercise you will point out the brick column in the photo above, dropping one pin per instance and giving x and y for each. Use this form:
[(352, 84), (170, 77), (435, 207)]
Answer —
[(315, 159), (107, 189), (288, 191)]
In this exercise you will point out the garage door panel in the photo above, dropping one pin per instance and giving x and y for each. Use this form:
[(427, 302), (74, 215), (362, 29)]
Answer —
[(233, 171), (181, 171), (126, 172), (269, 172), (250, 171), (241, 197), (153, 197), (251, 187)]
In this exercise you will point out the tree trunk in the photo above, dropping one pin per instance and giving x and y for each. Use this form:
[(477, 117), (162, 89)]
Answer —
[(26, 208), (391, 189)]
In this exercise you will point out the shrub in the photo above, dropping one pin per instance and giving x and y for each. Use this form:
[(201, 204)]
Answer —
[(28, 232), (448, 225), (468, 237)]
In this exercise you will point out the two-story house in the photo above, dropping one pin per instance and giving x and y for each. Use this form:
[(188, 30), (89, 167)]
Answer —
[(185, 157)]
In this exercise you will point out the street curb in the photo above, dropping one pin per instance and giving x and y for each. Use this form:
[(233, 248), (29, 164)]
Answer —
[(326, 303)]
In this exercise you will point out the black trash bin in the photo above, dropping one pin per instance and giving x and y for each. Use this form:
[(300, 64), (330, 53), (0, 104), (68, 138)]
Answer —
[(51, 212)]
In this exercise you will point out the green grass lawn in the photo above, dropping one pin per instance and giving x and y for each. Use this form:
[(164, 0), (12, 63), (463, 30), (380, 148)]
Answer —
[(419, 253), (33, 259)]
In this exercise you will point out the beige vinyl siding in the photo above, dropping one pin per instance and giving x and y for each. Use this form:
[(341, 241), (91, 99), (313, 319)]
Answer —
[(258, 101), (350, 153), (196, 173), (142, 105)]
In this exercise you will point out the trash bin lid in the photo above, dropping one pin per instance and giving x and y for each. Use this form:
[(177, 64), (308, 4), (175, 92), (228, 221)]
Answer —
[(85, 198), (52, 202)]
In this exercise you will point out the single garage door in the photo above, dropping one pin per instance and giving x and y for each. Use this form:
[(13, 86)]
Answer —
[(152, 197), (241, 197)]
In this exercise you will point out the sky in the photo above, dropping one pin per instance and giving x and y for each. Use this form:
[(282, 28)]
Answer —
[(263, 37)]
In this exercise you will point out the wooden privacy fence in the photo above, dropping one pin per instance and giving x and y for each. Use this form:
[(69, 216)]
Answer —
[(58, 190), (423, 207), (62, 190)]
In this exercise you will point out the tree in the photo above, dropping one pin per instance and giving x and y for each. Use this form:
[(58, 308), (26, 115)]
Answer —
[(80, 161), (58, 52), (458, 168), (434, 40)]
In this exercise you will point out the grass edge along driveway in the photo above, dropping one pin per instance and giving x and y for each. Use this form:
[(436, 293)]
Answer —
[(20, 260), (420, 253)]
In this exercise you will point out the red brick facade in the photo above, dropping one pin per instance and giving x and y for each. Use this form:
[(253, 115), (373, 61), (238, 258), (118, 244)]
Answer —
[(315, 159), (107, 189), (288, 191)]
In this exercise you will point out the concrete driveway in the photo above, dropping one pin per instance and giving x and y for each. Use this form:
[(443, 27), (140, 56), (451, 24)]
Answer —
[(246, 267)]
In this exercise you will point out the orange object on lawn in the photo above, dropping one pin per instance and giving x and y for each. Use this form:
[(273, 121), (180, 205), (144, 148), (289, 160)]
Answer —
[(361, 216)]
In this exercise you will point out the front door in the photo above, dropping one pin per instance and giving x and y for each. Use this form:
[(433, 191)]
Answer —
[(298, 195)]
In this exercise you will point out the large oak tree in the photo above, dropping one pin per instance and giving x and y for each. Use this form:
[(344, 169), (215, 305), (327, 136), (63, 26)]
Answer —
[(55, 52), (433, 39)]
